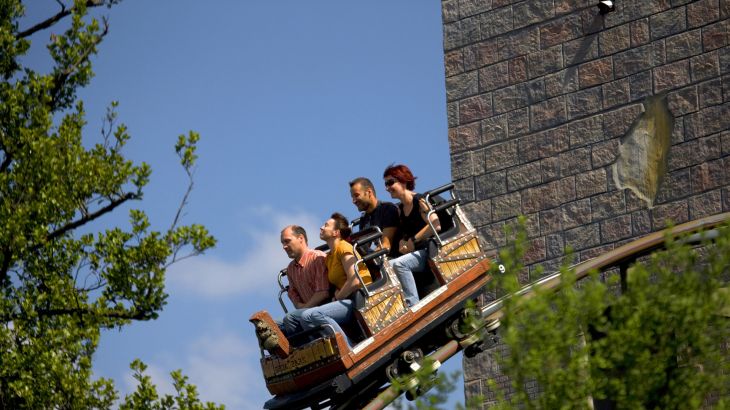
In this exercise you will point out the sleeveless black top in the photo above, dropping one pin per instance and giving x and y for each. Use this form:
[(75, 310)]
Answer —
[(412, 223)]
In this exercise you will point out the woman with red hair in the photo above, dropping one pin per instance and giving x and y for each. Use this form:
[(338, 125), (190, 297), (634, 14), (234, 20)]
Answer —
[(414, 228)]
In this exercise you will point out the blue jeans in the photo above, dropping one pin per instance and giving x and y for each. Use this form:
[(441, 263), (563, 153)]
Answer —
[(332, 314), (404, 266), (291, 324)]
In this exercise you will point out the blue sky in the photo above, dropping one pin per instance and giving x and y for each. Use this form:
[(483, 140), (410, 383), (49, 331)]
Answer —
[(292, 100)]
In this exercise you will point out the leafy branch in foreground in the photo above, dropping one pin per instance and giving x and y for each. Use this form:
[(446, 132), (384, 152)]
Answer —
[(64, 273)]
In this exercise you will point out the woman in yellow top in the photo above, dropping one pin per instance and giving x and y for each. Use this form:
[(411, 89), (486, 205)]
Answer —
[(341, 273)]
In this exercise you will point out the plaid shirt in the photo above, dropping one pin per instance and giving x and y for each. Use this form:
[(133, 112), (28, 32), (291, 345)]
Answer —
[(307, 276)]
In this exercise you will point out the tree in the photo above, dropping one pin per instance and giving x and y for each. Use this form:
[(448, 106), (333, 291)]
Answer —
[(658, 343), (63, 277)]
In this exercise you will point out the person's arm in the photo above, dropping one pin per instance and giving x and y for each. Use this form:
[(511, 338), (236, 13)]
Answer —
[(388, 237), (351, 280), (317, 299), (294, 296)]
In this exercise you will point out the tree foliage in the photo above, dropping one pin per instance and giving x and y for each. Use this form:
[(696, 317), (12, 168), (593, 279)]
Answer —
[(63, 276), (656, 344)]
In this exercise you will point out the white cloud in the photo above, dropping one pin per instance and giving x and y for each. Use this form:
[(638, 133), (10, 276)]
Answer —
[(211, 276)]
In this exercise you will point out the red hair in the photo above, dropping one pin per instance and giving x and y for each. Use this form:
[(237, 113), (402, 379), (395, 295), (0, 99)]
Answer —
[(401, 173)]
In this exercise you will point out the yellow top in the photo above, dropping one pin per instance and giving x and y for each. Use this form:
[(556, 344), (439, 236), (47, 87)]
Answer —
[(335, 270)]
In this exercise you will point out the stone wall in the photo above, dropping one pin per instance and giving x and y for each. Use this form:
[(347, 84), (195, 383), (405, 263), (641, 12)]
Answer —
[(598, 128)]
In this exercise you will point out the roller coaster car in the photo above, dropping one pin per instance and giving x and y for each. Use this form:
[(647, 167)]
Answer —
[(320, 370)]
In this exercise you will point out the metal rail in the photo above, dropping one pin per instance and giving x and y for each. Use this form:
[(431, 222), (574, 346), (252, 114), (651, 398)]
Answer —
[(698, 230)]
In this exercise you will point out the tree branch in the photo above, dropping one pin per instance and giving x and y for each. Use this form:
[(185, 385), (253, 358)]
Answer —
[(90, 217), (55, 19)]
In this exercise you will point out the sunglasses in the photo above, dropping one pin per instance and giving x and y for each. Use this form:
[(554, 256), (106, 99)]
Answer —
[(390, 182)]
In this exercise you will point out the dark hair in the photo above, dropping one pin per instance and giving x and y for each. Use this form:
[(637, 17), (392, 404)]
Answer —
[(402, 174), (364, 182), (297, 231), (342, 225)]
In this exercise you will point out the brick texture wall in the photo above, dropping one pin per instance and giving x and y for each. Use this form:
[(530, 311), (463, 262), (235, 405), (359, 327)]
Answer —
[(540, 94)]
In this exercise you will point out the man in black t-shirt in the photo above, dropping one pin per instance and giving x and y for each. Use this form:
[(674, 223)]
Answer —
[(382, 214)]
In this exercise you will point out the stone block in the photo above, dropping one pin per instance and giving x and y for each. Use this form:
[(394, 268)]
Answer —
[(590, 183), (554, 246), (506, 206), (633, 61), (580, 50), (583, 237), (545, 62), (584, 102), (569, 6), (694, 152), (479, 212), (524, 41), (452, 114), (725, 142), (454, 62), (640, 85), (462, 86), (470, 57), (551, 220), (550, 169), (710, 93), (615, 39), (575, 161), (639, 32), (496, 22), (523, 176), (471, 7), (518, 69), (716, 35), (548, 113), (465, 189), (671, 76), (475, 108), (548, 195), (494, 129), (617, 122), (668, 22), (616, 93), (595, 252), (595, 72), (683, 101), (702, 12), (615, 229), (705, 66), (449, 11), (535, 251), (493, 236), (709, 175), (724, 9), (462, 165), (604, 153), (608, 205), (562, 82), (492, 50), (544, 144), (560, 30), (641, 222), (511, 98), (465, 137), (707, 121), (490, 185), (494, 76), (532, 11), (683, 45), (586, 131), (726, 199), (501, 155), (674, 212), (452, 36), (706, 204), (674, 186), (470, 30), (518, 122)]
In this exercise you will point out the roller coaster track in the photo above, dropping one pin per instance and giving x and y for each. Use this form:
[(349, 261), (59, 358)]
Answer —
[(693, 232)]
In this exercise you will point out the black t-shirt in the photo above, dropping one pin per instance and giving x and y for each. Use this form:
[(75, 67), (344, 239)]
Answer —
[(385, 215)]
